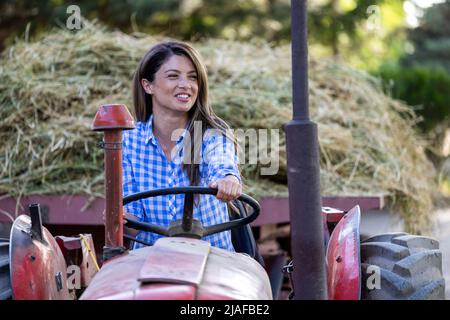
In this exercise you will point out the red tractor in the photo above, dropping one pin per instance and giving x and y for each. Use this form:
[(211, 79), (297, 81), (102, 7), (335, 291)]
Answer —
[(181, 266), (34, 264)]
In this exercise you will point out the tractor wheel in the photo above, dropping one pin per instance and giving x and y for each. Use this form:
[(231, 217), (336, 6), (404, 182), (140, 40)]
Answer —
[(5, 282), (410, 268)]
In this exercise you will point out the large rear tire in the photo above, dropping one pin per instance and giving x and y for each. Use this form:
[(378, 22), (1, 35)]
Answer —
[(5, 281), (410, 268)]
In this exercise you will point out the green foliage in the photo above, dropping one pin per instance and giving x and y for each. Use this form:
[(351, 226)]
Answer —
[(183, 19), (422, 78), (333, 18), (340, 26), (36, 16), (426, 89), (363, 33), (431, 40)]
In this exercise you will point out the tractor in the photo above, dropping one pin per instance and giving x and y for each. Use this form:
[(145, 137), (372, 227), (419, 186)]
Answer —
[(180, 265)]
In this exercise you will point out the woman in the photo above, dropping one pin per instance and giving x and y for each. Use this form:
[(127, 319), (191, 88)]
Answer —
[(170, 95)]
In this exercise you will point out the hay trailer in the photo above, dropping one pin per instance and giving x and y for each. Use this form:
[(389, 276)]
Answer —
[(34, 264)]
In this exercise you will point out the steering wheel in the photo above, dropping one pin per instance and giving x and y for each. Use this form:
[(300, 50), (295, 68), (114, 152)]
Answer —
[(187, 226)]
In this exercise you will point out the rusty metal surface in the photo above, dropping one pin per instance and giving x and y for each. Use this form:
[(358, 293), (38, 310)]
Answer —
[(189, 255), (117, 277), (38, 269), (81, 210), (158, 291), (276, 209), (343, 259), (57, 209), (68, 243), (113, 116), (112, 119), (332, 215), (85, 260), (226, 275), (234, 275), (118, 280), (88, 264), (113, 191)]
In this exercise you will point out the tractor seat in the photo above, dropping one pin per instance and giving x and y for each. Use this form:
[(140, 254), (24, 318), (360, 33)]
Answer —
[(242, 237)]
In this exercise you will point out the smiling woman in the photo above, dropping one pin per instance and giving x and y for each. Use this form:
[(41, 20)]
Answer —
[(170, 95), (177, 78)]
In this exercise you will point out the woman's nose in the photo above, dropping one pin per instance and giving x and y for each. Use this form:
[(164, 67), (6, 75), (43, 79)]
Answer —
[(183, 83)]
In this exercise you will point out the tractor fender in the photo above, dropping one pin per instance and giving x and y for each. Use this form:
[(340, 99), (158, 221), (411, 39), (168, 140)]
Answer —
[(37, 265), (343, 258)]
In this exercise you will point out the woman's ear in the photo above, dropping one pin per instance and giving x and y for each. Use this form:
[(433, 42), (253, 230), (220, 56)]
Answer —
[(148, 88)]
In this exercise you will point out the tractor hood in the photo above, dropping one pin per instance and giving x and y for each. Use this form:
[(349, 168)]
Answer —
[(180, 268)]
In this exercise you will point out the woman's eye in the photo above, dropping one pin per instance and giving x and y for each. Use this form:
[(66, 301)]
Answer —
[(193, 77), (172, 76)]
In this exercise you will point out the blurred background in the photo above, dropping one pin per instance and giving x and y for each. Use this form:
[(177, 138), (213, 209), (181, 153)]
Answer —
[(405, 43), (379, 82)]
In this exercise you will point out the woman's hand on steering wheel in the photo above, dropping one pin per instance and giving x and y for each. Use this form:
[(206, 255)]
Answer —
[(228, 188), (188, 226)]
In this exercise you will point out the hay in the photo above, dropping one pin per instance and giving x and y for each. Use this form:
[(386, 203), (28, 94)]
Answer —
[(51, 89)]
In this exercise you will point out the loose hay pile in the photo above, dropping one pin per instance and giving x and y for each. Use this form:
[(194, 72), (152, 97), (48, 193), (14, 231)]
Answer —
[(51, 89)]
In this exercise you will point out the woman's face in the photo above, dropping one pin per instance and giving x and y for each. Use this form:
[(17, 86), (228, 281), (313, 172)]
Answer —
[(175, 86)]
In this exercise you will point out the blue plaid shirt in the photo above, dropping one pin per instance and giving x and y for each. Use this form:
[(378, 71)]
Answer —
[(145, 167)]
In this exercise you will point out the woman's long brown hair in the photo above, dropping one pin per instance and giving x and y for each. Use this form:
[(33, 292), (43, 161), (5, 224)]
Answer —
[(200, 111)]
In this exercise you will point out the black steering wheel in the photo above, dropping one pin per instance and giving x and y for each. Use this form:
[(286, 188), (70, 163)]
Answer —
[(187, 226)]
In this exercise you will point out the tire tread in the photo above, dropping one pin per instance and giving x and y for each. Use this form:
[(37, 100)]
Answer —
[(410, 267)]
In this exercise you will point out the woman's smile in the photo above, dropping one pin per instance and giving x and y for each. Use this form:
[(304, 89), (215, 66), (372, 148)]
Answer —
[(175, 87), (183, 97), (170, 95)]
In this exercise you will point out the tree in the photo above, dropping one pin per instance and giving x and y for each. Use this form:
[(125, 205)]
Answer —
[(422, 78), (431, 39), (34, 16), (332, 18)]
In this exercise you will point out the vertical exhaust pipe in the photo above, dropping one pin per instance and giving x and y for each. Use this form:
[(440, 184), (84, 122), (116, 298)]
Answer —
[(308, 252), (112, 120)]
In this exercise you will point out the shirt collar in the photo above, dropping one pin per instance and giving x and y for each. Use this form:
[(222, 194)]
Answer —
[(149, 136), (149, 130)]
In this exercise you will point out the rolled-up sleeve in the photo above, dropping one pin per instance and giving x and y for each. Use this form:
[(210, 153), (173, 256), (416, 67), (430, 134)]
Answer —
[(128, 181), (220, 157)]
